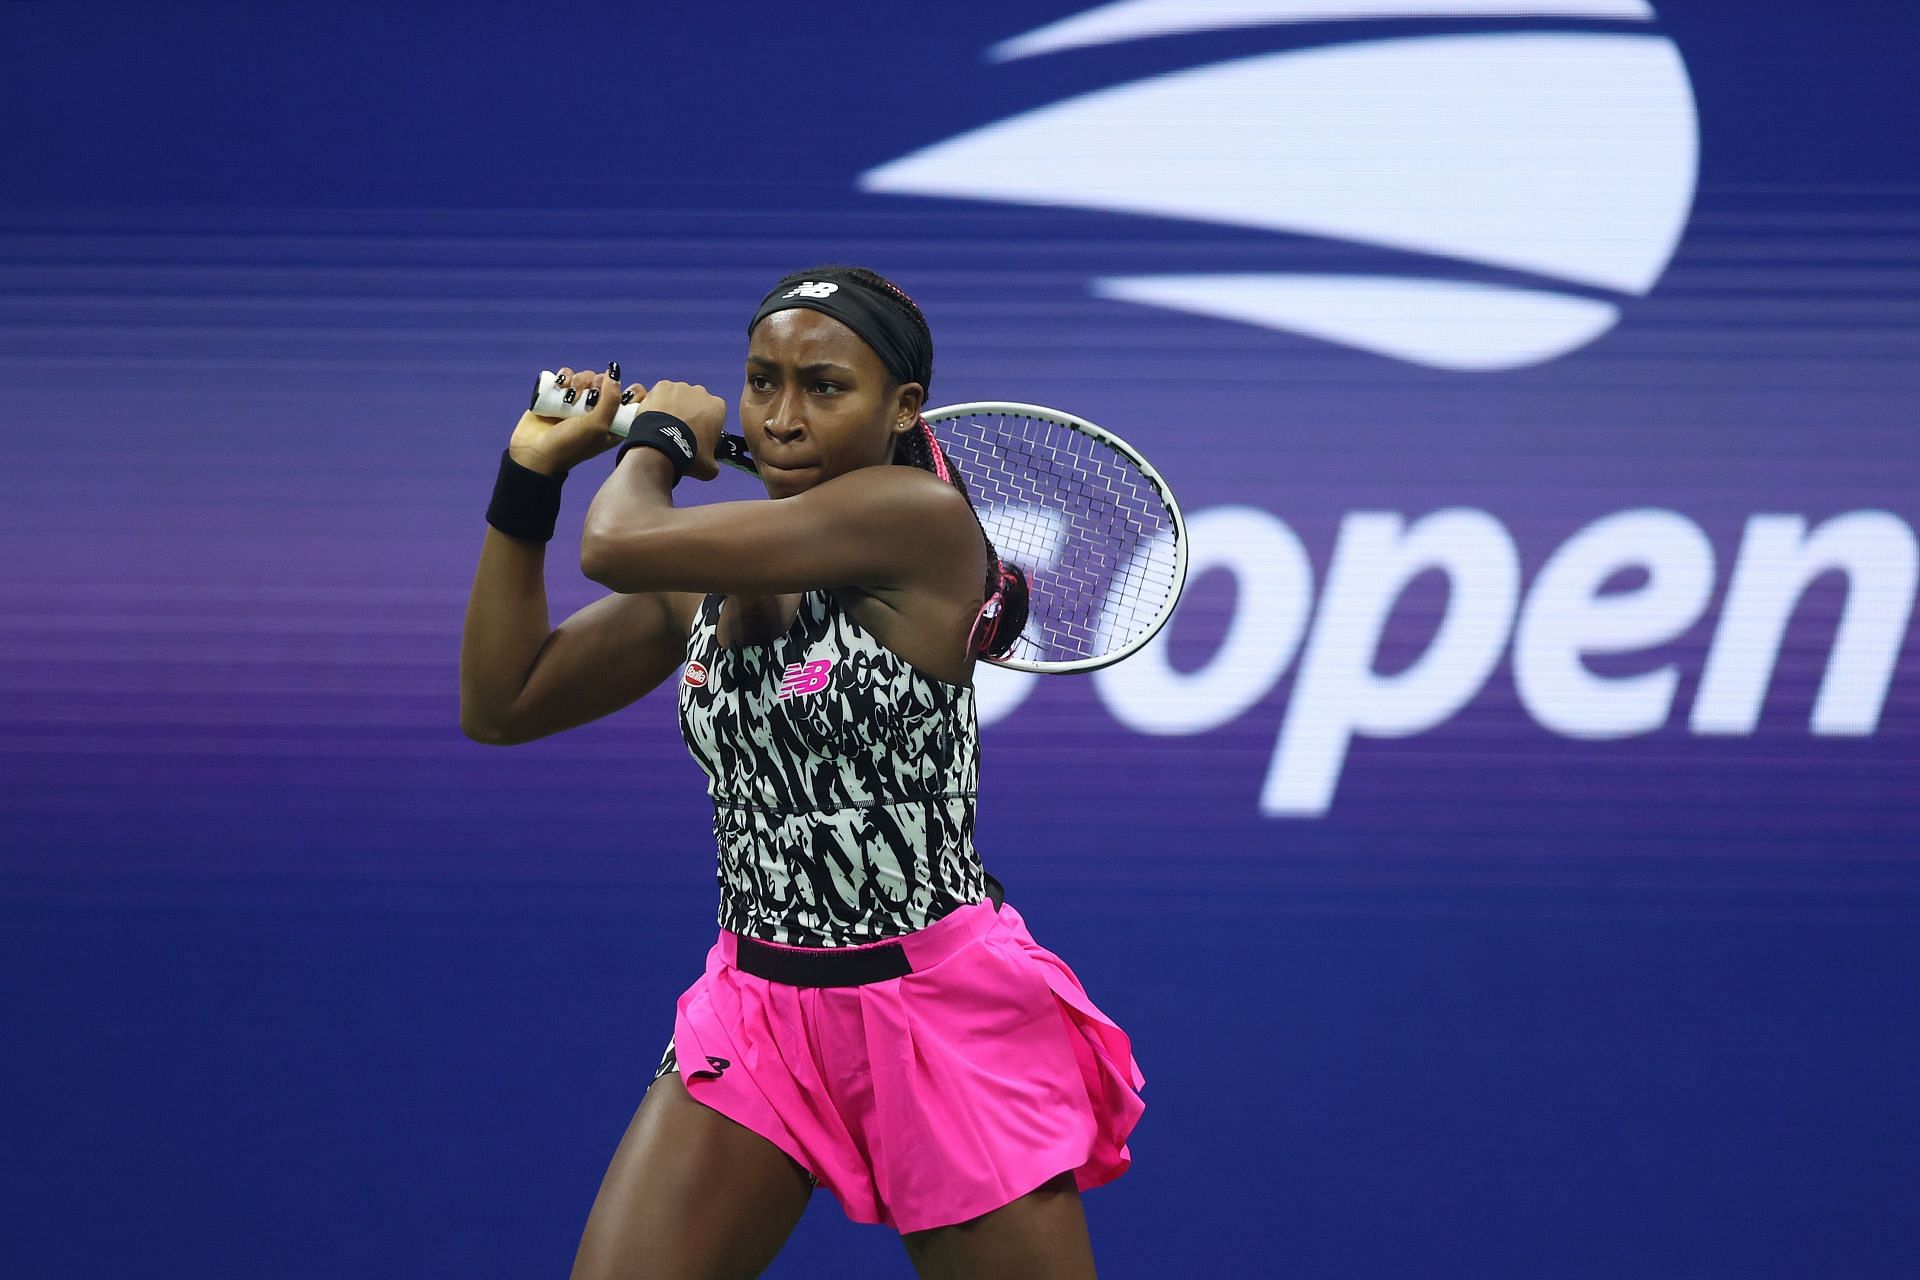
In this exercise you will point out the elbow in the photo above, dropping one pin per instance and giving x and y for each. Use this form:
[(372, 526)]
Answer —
[(596, 556), (610, 559)]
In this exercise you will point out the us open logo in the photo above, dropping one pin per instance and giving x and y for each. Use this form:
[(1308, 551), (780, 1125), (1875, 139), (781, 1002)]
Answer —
[(1566, 160)]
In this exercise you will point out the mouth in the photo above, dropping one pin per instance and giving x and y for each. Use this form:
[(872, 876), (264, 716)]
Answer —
[(783, 479)]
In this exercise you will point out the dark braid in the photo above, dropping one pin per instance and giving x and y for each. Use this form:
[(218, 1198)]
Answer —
[(1004, 614)]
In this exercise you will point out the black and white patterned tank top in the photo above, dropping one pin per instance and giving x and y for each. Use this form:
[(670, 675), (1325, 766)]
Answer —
[(843, 780)]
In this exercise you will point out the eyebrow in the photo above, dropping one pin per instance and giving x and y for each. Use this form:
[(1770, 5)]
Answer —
[(818, 366)]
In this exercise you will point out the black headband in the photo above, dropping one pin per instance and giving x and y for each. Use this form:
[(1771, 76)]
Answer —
[(881, 321)]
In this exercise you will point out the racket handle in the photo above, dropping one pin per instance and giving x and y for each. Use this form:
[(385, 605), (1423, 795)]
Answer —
[(550, 401)]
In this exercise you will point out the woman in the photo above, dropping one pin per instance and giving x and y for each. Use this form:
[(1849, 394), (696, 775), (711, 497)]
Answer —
[(874, 1017)]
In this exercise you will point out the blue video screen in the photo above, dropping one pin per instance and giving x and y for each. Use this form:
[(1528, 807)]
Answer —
[(1506, 860)]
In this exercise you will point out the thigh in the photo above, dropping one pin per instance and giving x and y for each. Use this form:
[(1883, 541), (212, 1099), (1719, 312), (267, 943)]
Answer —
[(690, 1195), (1040, 1236)]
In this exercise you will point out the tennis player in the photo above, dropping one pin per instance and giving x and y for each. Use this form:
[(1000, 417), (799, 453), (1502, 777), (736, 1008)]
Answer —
[(875, 1017)]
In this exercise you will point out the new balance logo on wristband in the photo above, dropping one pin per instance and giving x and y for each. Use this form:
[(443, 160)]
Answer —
[(805, 677), (679, 437), (653, 429)]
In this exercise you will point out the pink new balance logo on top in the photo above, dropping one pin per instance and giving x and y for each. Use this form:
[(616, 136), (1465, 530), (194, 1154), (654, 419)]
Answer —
[(805, 677)]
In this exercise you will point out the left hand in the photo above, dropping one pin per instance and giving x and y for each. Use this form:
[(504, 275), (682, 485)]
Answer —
[(553, 445)]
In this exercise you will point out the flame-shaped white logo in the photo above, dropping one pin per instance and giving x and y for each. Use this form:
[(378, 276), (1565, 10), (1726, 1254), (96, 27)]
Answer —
[(1567, 155)]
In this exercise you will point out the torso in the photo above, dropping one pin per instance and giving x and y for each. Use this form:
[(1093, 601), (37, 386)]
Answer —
[(843, 775)]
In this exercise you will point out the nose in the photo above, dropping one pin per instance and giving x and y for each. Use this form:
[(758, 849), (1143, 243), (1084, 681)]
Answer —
[(786, 421)]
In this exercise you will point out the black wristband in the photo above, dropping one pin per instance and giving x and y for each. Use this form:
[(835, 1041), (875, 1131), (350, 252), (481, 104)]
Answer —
[(662, 431), (526, 504)]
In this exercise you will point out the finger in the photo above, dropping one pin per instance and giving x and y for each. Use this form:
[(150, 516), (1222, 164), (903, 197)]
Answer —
[(605, 396), (599, 399), (638, 391)]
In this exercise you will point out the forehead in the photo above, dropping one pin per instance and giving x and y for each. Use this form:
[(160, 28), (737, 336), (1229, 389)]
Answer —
[(799, 336)]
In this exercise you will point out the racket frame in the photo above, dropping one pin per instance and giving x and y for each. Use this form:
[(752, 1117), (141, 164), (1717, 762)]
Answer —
[(1042, 413)]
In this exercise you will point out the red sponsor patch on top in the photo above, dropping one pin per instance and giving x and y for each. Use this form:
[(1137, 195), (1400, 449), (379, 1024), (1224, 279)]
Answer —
[(696, 674)]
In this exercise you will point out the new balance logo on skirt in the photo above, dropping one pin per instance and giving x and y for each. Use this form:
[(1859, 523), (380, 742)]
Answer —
[(805, 677)]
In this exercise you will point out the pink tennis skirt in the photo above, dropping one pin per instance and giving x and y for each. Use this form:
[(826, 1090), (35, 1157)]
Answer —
[(927, 1099)]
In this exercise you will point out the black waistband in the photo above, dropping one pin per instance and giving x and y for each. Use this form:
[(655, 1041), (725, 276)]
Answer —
[(842, 967), (833, 967)]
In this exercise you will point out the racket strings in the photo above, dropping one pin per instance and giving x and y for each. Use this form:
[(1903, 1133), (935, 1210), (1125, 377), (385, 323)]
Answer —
[(1091, 530)]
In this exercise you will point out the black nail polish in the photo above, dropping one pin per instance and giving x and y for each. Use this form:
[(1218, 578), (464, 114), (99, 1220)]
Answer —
[(613, 370), (559, 379), (626, 397), (572, 395), (593, 397)]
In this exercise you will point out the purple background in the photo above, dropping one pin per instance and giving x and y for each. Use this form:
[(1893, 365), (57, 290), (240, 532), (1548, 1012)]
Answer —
[(300, 982)]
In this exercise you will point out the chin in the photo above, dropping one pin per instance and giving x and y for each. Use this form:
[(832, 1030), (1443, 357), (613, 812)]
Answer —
[(782, 484)]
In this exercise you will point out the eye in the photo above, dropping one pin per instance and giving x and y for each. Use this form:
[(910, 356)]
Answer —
[(826, 388), (759, 381)]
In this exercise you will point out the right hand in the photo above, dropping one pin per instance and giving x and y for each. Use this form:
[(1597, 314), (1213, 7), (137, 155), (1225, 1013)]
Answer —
[(700, 409), (553, 445)]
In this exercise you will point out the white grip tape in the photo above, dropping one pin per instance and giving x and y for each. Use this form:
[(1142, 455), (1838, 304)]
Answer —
[(550, 401)]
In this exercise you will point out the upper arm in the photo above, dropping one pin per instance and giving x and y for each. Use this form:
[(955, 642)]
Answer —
[(875, 528), (602, 658)]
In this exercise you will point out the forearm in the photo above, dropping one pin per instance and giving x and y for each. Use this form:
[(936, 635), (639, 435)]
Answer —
[(633, 505), (506, 625)]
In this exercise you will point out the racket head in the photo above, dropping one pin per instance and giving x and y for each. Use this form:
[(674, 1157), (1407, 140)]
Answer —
[(1086, 517)]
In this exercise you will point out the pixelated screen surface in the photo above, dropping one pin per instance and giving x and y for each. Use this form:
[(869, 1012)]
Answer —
[(1505, 859)]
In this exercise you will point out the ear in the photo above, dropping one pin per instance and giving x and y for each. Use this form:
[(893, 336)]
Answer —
[(908, 399)]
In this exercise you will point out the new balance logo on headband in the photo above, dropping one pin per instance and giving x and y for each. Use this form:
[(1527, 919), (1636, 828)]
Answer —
[(812, 289)]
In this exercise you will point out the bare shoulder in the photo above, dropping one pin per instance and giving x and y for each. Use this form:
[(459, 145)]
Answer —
[(923, 615), (900, 499), (896, 483)]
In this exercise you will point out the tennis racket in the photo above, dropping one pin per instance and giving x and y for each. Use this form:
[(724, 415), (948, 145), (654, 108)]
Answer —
[(1088, 520)]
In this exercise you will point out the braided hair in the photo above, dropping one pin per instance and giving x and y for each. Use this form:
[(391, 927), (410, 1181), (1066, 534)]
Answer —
[(1004, 613)]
